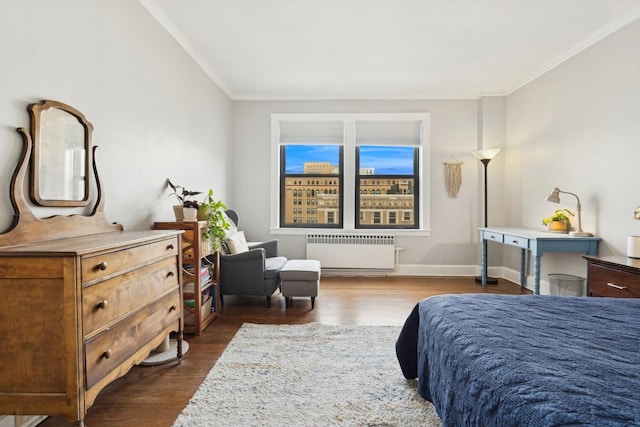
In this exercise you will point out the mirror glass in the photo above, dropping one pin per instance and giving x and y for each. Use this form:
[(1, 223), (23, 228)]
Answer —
[(60, 156)]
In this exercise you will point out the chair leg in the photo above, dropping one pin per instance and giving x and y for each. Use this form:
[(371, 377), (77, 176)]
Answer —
[(269, 301), (221, 300), (313, 302)]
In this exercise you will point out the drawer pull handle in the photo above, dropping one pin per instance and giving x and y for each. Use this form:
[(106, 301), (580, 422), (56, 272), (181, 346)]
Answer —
[(515, 242), (106, 354), (102, 304), (171, 274), (611, 285), (173, 308), (102, 266), (170, 247), (492, 237)]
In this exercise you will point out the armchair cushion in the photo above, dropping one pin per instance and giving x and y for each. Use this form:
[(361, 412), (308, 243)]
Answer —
[(237, 243), (272, 267)]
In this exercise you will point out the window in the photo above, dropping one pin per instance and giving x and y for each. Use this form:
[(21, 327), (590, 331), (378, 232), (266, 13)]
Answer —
[(310, 161), (396, 167), (357, 171)]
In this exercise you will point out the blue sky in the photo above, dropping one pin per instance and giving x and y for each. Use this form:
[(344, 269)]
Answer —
[(385, 160)]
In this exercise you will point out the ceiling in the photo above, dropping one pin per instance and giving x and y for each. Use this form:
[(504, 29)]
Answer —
[(384, 49)]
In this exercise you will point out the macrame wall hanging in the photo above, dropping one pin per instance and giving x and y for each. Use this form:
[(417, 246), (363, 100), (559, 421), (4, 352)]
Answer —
[(453, 176)]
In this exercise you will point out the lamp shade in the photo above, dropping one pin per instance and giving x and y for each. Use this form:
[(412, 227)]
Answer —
[(486, 154), (554, 196)]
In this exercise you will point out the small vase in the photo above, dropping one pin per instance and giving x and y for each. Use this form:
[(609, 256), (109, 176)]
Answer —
[(177, 211), (203, 212), (190, 214), (558, 226)]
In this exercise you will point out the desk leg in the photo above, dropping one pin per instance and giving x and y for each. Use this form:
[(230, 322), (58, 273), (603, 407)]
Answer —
[(536, 274), (523, 268), (484, 263)]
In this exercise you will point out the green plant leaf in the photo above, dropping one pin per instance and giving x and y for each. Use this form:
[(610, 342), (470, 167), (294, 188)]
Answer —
[(216, 220)]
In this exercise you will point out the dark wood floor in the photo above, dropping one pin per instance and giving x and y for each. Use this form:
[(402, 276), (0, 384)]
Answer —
[(155, 396)]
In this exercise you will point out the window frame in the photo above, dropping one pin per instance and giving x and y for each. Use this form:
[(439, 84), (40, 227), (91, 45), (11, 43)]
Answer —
[(349, 212)]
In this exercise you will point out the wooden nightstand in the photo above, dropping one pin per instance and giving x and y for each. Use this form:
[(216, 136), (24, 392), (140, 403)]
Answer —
[(613, 276)]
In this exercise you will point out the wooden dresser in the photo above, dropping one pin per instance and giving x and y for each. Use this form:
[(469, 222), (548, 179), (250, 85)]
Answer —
[(81, 300), (77, 313), (613, 276)]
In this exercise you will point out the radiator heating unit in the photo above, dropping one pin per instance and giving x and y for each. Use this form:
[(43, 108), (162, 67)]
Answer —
[(357, 251)]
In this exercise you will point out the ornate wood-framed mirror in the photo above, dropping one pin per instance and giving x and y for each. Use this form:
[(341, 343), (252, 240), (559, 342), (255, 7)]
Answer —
[(26, 226), (61, 158)]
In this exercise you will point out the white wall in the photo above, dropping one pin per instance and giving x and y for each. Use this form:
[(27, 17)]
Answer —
[(454, 222), (578, 127), (155, 112)]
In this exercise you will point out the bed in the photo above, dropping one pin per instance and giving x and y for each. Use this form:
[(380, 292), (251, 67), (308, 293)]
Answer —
[(525, 360)]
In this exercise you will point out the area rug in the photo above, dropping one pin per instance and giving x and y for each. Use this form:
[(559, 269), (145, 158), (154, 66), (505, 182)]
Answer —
[(308, 375)]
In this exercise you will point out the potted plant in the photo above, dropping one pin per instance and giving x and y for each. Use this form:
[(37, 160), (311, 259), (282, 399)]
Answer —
[(559, 221), (187, 209), (212, 211)]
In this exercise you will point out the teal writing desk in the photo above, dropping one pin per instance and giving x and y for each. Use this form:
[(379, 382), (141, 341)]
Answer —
[(536, 241)]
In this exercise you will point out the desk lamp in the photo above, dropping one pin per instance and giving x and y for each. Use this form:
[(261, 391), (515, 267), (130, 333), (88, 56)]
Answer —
[(554, 197)]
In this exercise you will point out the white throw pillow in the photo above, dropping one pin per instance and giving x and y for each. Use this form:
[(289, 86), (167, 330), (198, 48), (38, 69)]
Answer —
[(237, 243)]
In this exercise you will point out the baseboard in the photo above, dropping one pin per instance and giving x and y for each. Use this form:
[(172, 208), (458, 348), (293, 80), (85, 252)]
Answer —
[(423, 270), (419, 270)]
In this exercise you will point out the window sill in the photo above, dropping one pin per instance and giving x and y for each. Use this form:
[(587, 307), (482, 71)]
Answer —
[(304, 231)]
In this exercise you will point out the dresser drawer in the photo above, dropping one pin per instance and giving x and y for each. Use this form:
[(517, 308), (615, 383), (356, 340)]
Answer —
[(113, 263), (107, 301), (112, 347), (520, 242), (606, 282)]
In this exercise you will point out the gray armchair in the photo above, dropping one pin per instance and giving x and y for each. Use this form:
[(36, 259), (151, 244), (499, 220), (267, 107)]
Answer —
[(253, 272)]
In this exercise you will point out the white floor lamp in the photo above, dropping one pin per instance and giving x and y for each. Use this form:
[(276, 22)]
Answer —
[(485, 156)]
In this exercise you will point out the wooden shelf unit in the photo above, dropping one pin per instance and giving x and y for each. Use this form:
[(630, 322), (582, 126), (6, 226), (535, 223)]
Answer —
[(200, 307)]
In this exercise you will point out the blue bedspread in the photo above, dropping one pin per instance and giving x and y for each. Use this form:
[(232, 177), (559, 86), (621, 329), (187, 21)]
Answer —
[(507, 360)]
